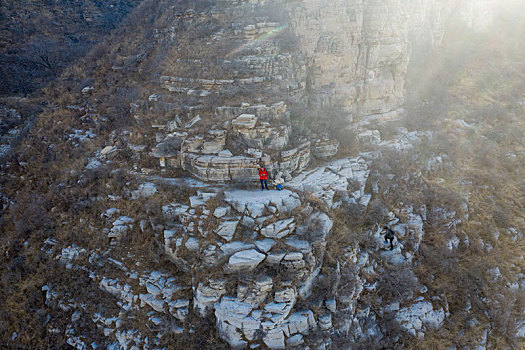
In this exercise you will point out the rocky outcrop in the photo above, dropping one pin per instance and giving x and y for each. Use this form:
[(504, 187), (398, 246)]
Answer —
[(354, 53), (262, 137), (416, 317), (257, 233), (336, 178), (325, 148), (357, 53)]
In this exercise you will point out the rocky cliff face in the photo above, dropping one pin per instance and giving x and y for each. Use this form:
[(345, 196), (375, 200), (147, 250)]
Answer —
[(351, 55), (357, 53)]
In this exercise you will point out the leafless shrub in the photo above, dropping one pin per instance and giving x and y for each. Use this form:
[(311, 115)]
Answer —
[(397, 283)]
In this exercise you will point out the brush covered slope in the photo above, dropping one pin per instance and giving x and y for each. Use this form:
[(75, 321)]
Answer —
[(38, 39), (132, 217)]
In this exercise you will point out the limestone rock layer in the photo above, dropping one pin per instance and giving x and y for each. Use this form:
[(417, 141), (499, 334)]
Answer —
[(268, 60)]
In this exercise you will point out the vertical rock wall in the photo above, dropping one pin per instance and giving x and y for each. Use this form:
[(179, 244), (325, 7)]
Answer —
[(358, 51)]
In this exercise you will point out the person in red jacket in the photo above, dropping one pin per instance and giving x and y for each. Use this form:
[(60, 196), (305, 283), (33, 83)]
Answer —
[(263, 176)]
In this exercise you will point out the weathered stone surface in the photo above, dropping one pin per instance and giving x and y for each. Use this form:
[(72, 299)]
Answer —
[(295, 340), (221, 211), (225, 154), (234, 247), (336, 177), (279, 229), (87, 89), (120, 226), (192, 244), (331, 305), (246, 259), (325, 148), (414, 317), (192, 122), (106, 151), (298, 323), (375, 60), (325, 321), (357, 54), (266, 113), (206, 294), (286, 295), (369, 137), (244, 122), (275, 258), (274, 338), (215, 168), (232, 320), (284, 201), (227, 229), (265, 245)]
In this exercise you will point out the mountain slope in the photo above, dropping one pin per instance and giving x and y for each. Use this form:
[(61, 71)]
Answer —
[(38, 39), (131, 213)]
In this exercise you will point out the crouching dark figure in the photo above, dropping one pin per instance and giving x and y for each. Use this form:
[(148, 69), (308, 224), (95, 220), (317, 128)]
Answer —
[(389, 236)]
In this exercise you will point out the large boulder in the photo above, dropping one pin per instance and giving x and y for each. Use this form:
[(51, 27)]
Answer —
[(245, 260)]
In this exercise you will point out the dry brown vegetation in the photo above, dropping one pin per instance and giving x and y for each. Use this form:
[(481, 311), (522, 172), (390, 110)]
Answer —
[(476, 78)]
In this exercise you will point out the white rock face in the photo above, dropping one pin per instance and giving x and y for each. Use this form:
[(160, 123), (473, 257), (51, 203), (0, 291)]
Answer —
[(206, 294), (231, 314), (295, 340), (336, 177), (227, 229), (298, 323), (234, 247), (225, 154), (246, 259), (221, 211), (274, 338), (453, 243), (87, 89), (414, 317), (255, 209), (369, 137), (279, 229), (494, 273), (107, 151), (325, 321), (242, 200), (265, 245), (192, 122), (317, 226), (192, 244), (70, 254), (331, 305), (325, 148), (120, 226), (244, 121), (145, 190), (520, 329)]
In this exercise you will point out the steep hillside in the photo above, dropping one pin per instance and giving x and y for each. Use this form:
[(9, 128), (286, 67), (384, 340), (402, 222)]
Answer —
[(38, 39), (131, 210)]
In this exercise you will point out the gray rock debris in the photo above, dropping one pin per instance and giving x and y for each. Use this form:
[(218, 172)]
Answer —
[(145, 190), (207, 294), (413, 318), (121, 226)]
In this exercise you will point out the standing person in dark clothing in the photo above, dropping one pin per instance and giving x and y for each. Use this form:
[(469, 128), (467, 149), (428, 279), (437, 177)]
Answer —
[(389, 236), (263, 176)]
